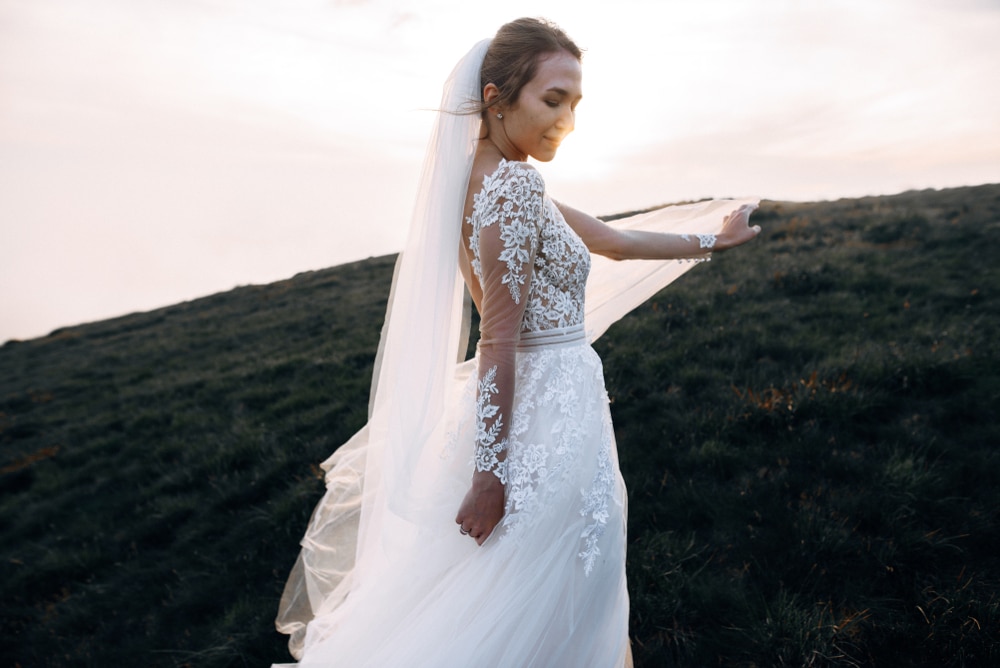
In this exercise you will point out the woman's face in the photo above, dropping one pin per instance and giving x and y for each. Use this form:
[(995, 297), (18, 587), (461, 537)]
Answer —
[(545, 111)]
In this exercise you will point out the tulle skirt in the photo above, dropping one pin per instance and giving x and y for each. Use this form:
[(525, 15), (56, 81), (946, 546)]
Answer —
[(547, 588)]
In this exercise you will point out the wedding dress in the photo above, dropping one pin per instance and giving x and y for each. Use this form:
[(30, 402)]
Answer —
[(384, 578)]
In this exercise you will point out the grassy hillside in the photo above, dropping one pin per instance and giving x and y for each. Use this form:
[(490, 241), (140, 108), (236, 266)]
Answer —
[(806, 426)]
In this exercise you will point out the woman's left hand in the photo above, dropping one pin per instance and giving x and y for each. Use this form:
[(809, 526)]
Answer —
[(736, 229), (482, 507)]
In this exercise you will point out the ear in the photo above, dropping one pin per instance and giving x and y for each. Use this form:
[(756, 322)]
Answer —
[(490, 92)]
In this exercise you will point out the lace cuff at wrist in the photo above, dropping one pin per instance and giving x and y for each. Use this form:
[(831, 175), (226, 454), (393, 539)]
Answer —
[(704, 241)]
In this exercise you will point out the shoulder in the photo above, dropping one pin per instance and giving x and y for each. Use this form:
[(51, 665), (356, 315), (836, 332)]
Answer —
[(491, 172), (517, 181), (501, 190), (509, 170)]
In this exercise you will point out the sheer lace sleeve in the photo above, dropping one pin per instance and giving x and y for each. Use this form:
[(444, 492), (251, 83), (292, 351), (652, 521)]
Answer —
[(504, 239)]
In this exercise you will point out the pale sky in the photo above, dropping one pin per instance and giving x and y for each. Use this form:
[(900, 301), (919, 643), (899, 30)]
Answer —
[(154, 151)]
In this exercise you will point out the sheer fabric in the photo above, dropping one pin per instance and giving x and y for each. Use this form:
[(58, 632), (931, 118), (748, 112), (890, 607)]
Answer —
[(502, 245), (384, 578), (530, 270), (615, 288), (377, 482)]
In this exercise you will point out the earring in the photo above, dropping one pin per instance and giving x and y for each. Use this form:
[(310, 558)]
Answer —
[(499, 115)]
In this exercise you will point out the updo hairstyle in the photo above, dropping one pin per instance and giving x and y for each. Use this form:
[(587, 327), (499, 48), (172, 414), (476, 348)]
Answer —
[(511, 60)]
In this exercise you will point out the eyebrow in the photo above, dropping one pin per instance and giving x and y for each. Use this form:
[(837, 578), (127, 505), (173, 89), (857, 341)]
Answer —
[(560, 91)]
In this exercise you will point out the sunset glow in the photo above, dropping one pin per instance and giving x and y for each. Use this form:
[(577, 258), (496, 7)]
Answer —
[(157, 151)]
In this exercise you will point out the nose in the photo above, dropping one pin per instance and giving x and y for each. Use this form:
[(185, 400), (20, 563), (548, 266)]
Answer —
[(566, 121)]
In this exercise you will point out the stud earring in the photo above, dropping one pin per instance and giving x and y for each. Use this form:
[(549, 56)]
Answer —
[(499, 115)]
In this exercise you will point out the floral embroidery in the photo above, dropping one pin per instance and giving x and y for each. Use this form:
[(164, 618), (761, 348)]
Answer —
[(706, 240), (544, 476), (514, 199), (595, 504), (488, 444), (560, 278), (515, 255), (511, 198), (557, 447)]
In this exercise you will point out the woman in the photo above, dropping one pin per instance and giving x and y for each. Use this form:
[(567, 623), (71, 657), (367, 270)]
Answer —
[(382, 580)]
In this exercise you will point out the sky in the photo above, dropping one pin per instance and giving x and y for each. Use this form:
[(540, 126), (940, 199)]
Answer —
[(156, 151)]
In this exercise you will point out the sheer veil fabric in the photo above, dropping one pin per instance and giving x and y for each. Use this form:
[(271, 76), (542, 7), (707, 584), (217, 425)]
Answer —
[(372, 508), (384, 535)]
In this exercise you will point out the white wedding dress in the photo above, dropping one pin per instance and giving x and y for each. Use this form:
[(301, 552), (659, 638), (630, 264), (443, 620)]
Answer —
[(547, 589)]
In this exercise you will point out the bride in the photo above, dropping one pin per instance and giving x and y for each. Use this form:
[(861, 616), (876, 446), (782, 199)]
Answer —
[(533, 575)]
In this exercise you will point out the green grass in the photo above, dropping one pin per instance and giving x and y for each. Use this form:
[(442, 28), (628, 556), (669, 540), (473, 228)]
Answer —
[(806, 427)]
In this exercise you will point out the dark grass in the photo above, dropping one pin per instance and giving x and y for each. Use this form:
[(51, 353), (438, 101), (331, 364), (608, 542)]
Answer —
[(806, 427)]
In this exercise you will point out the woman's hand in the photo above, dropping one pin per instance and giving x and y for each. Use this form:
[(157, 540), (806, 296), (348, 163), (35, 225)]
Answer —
[(736, 229), (482, 508)]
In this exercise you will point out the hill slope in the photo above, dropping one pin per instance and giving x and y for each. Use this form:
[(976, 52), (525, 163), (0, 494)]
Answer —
[(806, 427)]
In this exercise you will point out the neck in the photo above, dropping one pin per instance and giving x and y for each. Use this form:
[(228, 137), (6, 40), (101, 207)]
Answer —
[(496, 134)]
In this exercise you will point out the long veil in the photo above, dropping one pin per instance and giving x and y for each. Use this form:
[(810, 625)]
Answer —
[(370, 479), (379, 483)]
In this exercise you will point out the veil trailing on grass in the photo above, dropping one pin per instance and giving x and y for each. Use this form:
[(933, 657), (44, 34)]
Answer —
[(381, 483)]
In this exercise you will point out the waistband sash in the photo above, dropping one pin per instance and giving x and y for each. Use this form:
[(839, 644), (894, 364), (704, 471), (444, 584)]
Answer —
[(562, 337)]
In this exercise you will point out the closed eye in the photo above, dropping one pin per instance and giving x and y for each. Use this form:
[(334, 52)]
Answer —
[(562, 95)]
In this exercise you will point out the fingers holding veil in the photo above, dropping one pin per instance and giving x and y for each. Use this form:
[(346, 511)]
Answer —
[(736, 227)]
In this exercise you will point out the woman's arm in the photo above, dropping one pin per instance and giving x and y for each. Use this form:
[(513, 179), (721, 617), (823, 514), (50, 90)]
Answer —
[(605, 240), (503, 243)]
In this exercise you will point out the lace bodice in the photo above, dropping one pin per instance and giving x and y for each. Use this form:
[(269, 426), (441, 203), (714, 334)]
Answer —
[(546, 262), (532, 272)]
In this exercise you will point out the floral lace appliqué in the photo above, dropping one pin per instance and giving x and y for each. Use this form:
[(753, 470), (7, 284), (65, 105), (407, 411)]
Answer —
[(560, 278), (556, 450), (540, 476), (488, 447), (595, 504), (511, 198)]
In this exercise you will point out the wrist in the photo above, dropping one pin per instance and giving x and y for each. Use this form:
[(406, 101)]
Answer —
[(708, 243), (486, 480)]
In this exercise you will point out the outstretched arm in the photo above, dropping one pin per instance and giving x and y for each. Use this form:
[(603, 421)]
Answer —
[(605, 240)]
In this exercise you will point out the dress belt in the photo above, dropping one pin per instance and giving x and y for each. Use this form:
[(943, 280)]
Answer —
[(552, 338)]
